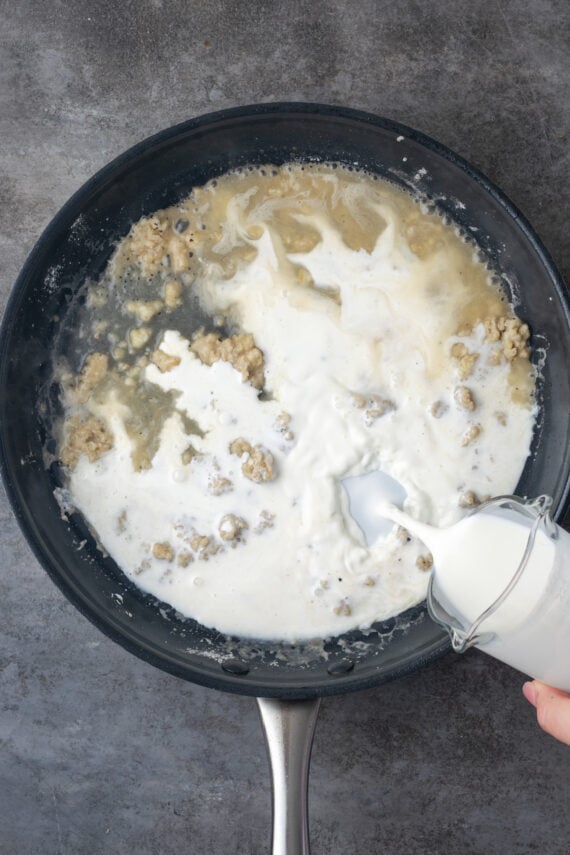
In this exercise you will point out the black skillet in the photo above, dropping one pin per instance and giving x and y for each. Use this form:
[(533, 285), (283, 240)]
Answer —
[(77, 244)]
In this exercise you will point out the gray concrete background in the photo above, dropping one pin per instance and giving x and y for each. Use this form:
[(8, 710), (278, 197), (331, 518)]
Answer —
[(100, 753)]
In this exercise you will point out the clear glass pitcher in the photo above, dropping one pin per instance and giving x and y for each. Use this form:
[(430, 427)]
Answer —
[(522, 596)]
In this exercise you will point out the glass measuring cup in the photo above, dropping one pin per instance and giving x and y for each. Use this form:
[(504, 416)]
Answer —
[(518, 610)]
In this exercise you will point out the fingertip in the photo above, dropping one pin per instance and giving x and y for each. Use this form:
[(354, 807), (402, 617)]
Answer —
[(530, 693), (552, 708)]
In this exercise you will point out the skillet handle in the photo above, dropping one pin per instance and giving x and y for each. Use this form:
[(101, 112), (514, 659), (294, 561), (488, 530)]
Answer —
[(289, 727)]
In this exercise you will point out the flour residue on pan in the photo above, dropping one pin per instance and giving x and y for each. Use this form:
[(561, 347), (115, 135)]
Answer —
[(244, 352)]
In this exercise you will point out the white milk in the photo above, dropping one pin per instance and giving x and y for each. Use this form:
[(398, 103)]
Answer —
[(474, 562), (360, 363)]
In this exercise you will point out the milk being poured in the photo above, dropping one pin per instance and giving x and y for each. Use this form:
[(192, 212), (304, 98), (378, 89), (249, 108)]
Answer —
[(475, 562)]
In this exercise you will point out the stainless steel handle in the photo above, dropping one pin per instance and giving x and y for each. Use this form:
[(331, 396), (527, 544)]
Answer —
[(289, 727)]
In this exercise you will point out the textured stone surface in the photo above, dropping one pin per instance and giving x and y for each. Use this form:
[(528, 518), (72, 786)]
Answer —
[(100, 753)]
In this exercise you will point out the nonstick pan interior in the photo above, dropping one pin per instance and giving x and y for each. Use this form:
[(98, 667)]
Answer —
[(77, 245)]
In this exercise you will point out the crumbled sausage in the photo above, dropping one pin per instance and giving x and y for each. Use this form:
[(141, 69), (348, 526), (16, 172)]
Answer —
[(231, 527), (164, 361), (465, 360), (468, 499), (204, 546), (239, 350), (219, 485), (139, 336), (515, 339), (153, 244), (471, 434), (184, 558), (458, 350), (94, 370), (438, 409), (282, 423), (403, 534), (89, 436), (266, 520), (343, 609), (495, 328), (463, 397), (240, 446), (144, 310), (163, 551), (259, 465), (424, 562), (512, 333), (199, 542), (172, 293), (144, 565), (145, 243), (376, 407)]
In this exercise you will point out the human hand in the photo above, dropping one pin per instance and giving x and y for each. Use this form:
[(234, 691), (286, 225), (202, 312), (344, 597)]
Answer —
[(552, 709)]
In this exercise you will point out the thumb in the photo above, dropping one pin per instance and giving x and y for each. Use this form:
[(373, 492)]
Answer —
[(552, 709)]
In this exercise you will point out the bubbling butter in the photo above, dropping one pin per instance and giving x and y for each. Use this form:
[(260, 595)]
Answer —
[(355, 332)]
